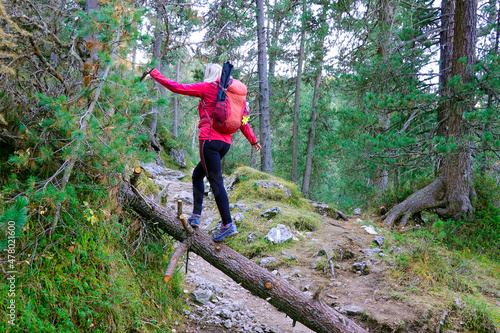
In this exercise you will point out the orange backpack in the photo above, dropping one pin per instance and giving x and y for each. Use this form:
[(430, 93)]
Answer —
[(231, 112)]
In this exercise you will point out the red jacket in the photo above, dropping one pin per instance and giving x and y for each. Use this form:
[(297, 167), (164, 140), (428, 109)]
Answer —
[(207, 92)]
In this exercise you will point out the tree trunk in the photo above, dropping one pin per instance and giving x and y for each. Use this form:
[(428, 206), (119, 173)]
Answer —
[(312, 133), (154, 122), (385, 17), (265, 126), (314, 313), (295, 137), (452, 191), (175, 121), (458, 163), (446, 47)]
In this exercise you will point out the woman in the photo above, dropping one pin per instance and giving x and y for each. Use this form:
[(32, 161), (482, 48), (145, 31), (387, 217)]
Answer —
[(213, 144)]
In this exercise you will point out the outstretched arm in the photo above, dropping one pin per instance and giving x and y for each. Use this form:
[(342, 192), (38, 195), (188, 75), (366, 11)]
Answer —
[(195, 90)]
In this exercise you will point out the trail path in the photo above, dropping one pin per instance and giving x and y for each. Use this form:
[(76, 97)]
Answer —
[(260, 313), (360, 286)]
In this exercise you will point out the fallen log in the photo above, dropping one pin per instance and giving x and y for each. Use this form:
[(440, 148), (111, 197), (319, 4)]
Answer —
[(313, 313)]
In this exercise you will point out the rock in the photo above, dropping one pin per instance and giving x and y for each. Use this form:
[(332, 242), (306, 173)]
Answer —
[(314, 265), (323, 209), (259, 205), (370, 229), (395, 250), (230, 182), (371, 251), (185, 197), (279, 234), (251, 237), (266, 261), (203, 283), (158, 171), (287, 255), (201, 296), (271, 212), (353, 310), (238, 217), (270, 184), (205, 223), (382, 254), (356, 211), (379, 240), (361, 267), (241, 206), (178, 155)]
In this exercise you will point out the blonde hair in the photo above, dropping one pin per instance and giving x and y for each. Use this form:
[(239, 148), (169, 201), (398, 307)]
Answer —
[(212, 72)]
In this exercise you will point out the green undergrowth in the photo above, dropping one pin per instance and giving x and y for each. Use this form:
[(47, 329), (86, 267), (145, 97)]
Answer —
[(465, 281), (100, 271), (296, 213)]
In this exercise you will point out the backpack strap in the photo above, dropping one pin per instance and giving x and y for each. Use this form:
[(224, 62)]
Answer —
[(206, 122)]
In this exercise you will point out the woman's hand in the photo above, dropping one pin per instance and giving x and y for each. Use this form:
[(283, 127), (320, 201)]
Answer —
[(257, 146)]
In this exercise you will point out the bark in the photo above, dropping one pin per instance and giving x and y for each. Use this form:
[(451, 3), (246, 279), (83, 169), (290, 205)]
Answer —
[(458, 164), (295, 137), (265, 126), (452, 191), (312, 134), (385, 17), (175, 121), (313, 313), (446, 51)]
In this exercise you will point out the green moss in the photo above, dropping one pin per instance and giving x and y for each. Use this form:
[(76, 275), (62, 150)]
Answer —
[(246, 178)]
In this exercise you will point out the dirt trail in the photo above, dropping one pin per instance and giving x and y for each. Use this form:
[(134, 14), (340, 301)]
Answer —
[(266, 315), (363, 291)]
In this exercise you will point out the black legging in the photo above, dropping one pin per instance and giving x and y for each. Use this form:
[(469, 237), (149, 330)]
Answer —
[(211, 154)]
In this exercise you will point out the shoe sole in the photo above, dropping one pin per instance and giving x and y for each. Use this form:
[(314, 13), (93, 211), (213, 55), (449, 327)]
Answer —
[(225, 237)]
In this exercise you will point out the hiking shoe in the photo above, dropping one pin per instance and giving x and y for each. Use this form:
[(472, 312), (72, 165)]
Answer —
[(194, 220), (224, 232)]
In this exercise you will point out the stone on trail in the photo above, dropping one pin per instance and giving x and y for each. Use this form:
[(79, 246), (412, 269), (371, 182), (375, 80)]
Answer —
[(266, 261), (271, 212), (185, 197), (379, 240), (371, 251), (361, 267), (201, 296), (279, 234), (370, 229), (178, 155)]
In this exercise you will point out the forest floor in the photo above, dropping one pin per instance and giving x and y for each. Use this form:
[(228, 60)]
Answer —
[(367, 295), (363, 282)]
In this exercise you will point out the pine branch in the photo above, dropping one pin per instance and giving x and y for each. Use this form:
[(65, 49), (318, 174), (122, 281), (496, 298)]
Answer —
[(83, 126)]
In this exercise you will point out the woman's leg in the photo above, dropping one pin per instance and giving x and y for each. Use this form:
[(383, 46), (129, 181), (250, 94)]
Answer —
[(198, 188), (213, 152)]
